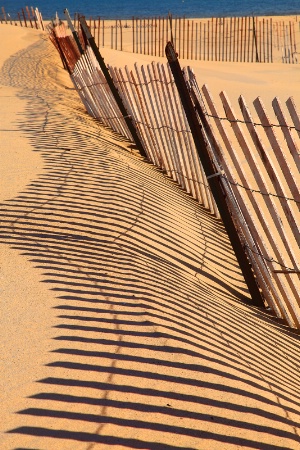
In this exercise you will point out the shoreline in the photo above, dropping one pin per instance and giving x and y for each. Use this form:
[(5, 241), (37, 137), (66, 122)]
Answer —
[(15, 21)]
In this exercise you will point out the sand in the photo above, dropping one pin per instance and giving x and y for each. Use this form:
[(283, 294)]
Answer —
[(124, 319)]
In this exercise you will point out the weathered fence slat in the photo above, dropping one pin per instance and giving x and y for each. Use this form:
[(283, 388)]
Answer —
[(158, 112), (147, 121), (141, 116), (140, 113), (161, 142), (124, 87), (182, 162), (287, 132), (167, 127), (203, 183), (168, 119), (128, 98), (200, 109), (179, 172), (294, 114)]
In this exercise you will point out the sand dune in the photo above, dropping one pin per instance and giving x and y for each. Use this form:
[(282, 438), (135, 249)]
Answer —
[(125, 321)]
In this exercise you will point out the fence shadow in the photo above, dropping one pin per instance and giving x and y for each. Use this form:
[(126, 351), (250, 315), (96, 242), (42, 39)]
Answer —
[(152, 346)]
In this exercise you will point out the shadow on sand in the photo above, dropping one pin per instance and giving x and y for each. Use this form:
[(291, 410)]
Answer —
[(154, 346)]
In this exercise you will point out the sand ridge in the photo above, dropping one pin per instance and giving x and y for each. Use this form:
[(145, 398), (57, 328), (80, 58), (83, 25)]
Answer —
[(122, 319)]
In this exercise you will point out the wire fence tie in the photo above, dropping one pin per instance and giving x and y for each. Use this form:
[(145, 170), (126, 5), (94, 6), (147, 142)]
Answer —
[(217, 174)]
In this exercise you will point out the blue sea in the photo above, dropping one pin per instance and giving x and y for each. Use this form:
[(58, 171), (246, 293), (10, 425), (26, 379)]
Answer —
[(125, 9)]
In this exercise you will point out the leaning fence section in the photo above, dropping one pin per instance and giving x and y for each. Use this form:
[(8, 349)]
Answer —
[(259, 167), (256, 155), (153, 101), (96, 95)]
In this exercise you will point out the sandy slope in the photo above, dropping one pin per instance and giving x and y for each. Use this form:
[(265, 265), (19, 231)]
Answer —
[(249, 79), (121, 314)]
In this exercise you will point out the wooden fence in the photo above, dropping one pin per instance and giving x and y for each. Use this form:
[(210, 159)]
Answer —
[(152, 101), (286, 38), (260, 163), (236, 39), (242, 39), (257, 160), (28, 17)]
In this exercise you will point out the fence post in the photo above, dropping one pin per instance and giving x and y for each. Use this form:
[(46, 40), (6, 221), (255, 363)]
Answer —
[(271, 40), (114, 90), (212, 176), (29, 18), (4, 14), (133, 36), (255, 39), (24, 17), (34, 17), (75, 35), (121, 36)]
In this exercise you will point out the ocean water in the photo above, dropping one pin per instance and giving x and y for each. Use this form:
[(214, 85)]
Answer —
[(125, 9)]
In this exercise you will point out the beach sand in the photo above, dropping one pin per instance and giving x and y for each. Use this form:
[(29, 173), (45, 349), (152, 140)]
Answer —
[(124, 313)]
